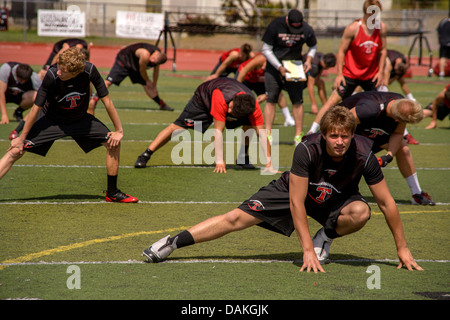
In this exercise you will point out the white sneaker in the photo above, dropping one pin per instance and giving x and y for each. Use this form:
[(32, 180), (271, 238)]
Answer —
[(322, 246), (289, 122), (160, 250)]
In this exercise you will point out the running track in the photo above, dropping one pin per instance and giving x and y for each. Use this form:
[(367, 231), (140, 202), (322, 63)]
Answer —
[(103, 57)]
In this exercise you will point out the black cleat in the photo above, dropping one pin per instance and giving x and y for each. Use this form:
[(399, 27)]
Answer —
[(142, 160)]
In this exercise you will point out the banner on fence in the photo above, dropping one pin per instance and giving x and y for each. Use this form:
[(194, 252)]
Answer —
[(140, 25), (55, 23)]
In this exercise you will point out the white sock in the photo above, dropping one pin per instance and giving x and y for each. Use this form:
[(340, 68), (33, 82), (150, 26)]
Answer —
[(410, 96), (314, 127), (413, 183), (405, 133), (286, 113)]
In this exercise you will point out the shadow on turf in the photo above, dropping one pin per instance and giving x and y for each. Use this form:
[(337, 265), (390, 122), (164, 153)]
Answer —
[(67, 197), (295, 258)]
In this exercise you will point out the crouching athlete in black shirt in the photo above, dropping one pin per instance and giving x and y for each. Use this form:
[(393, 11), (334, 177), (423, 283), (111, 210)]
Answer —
[(60, 110)]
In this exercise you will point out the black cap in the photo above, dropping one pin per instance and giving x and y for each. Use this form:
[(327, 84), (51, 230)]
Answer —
[(295, 21)]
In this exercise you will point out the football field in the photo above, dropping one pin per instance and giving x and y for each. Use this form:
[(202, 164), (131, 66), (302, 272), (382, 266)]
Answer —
[(61, 240)]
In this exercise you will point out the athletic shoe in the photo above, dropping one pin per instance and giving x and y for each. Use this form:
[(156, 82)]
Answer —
[(298, 139), (289, 122), (322, 246), (14, 134), (18, 114), (119, 196), (142, 160), (410, 140), (422, 198), (165, 107), (160, 250)]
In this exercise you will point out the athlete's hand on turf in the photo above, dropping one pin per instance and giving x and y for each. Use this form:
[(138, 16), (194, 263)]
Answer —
[(311, 263), (407, 260), (220, 168), (432, 125), (114, 138)]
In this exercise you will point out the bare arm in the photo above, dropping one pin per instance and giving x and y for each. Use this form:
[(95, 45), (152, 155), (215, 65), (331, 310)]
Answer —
[(347, 37), (116, 136), (387, 205), (298, 188), (4, 119)]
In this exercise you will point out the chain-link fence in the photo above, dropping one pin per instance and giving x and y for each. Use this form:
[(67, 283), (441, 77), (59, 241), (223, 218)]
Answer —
[(101, 18)]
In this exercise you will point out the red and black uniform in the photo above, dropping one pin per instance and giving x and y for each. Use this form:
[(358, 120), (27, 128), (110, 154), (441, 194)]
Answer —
[(210, 101), (254, 79), (370, 109), (361, 62), (127, 64), (72, 42), (232, 67), (64, 113), (332, 185)]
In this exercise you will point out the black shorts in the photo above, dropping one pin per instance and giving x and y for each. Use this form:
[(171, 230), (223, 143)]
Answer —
[(442, 110), (118, 73), (14, 98), (271, 204), (351, 84), (444, 52), (88, 132), (275, 83), (257, 87), (193, 112)]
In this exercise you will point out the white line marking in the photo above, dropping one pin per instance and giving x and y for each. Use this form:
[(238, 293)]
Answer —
[(231, 261)]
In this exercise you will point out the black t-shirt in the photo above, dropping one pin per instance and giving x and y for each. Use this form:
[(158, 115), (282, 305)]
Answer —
[(286, 45), (370, 107), (331, 181), (68, 101), (127, 56), (443, 30)]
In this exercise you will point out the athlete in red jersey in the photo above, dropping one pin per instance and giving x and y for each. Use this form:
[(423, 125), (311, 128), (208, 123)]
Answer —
[(251, 73), (363, 46), (225, 103), (229, 61)]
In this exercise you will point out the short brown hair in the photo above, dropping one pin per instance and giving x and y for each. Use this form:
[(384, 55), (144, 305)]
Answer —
[(406, 110), (72, 59), (338, 118), (243, 106)]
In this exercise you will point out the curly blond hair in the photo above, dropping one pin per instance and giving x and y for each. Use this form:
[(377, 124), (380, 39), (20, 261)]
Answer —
[(72, 60)]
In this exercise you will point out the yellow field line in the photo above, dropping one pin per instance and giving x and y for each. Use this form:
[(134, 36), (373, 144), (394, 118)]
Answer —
[(36, 255), (419, 211)]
